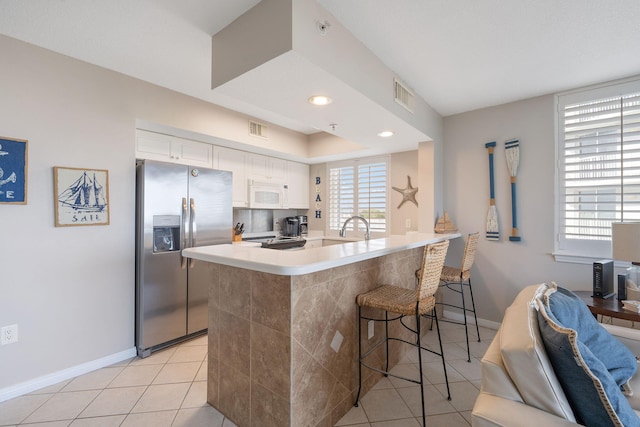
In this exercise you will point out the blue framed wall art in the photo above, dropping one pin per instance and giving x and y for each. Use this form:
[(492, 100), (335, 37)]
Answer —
[(13, 171)]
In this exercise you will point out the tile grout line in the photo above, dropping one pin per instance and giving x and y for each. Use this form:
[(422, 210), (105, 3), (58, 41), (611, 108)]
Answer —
[(202, 364)]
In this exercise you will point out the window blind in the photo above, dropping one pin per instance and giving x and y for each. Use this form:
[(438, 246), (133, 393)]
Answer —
[(358, 188), (372, 195), (342, 198), (599, 162)]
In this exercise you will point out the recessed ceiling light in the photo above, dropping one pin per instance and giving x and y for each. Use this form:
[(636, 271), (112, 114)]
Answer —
[(385, 134), (320, 100)]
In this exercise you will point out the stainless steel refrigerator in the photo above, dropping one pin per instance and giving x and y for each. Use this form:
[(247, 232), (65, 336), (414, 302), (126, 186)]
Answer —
[(177, 207)]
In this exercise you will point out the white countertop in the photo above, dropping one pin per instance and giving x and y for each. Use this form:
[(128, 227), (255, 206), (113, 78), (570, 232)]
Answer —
[(305, 261)]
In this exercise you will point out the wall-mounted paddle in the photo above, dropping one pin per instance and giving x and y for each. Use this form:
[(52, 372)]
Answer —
[(512, 153), (492, 228)]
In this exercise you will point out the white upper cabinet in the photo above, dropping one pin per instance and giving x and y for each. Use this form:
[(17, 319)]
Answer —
[(298, 185), (296, 175), (165, 148), (244, 165), (235, 161), (265, 168)]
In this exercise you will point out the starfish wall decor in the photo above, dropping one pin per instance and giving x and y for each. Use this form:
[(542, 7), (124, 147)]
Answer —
[(408, 193)]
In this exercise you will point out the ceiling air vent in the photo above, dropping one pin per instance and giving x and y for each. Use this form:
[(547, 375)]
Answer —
[(402, 95), (258, 129)]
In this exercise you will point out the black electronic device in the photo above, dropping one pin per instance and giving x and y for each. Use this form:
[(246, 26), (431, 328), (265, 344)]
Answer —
[(603, 279), (291, 226), (622, 286)]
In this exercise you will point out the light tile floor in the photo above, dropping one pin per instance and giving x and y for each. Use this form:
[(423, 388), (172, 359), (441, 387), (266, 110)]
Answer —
[(168, 388)]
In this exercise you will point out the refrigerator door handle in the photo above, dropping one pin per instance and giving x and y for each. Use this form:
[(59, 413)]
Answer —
[(192, 227), (184, 236)]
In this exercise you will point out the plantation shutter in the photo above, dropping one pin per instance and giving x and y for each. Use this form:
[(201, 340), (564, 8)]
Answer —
[(358, 188), (599, 179), (372, 195), (342, 199)]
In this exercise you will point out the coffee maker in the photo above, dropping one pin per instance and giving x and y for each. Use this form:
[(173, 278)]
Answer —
[(291, 226), (302, 223)]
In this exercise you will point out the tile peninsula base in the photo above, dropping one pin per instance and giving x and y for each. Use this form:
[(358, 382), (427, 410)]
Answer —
[(283, 349)]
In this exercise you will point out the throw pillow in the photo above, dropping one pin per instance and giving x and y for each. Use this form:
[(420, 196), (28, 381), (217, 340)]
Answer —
[(568, 310), (591, 389)]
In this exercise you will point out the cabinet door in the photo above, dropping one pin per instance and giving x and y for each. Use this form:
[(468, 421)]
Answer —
[(236, 162), (192, 152), (278, 170), (298, 185), (153, 146), (258, 167), (265, 168), (165, 148)]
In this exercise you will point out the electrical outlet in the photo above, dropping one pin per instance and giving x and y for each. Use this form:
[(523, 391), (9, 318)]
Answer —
[(407, 223), (336, 342), (371, 327), (8, 334)]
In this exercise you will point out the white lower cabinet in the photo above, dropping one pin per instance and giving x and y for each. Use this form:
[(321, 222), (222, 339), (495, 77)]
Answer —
[(165, 148)]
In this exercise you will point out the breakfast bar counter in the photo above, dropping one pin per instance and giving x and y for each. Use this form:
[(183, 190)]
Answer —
[(305, 261), (283, 328)]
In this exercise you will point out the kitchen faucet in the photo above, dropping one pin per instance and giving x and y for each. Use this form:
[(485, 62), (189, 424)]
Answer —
[(343, 230)]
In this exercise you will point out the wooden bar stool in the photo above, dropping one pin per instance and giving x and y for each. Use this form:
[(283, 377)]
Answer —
[(456, 279), (405, 302)]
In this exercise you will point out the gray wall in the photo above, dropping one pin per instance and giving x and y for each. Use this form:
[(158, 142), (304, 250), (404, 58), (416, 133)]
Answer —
[(71, 289), (502, 267)]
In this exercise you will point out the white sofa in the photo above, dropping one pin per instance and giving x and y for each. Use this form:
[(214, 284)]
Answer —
[(519, 386)]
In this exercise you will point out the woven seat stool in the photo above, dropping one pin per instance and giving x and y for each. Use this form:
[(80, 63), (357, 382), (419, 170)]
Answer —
[(456, 279), (405, 303)]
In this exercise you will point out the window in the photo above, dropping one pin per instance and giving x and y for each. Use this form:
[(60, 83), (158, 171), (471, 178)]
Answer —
[(598, 166), (358, 187)]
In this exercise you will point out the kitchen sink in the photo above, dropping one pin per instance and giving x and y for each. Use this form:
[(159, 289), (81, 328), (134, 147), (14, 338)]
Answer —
[(330, 242)]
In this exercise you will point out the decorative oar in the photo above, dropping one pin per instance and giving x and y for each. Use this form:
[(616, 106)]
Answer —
[(493, 232), (512, 153)]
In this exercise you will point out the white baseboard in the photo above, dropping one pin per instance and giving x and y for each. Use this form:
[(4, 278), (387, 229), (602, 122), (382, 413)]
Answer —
[(457, 316), (72, 372)]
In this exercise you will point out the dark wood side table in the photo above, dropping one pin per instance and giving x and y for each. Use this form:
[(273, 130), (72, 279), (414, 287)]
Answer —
[(611, 307)]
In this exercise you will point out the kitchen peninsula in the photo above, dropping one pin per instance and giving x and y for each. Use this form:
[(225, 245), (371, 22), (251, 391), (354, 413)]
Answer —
[(283, 330)]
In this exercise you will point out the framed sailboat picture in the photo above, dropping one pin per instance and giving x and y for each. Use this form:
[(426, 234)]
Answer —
[(82, 196)]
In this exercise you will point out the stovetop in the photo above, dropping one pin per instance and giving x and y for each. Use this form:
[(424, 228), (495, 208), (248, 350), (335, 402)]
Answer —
[(280, 242)]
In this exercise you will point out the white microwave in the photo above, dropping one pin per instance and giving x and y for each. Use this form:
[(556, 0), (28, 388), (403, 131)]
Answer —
[(268, 195)]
